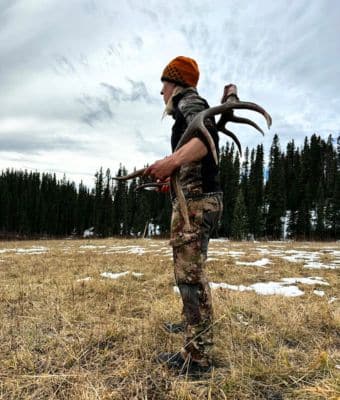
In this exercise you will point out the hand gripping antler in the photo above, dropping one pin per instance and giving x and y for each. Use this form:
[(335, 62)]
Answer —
[(226, 109)]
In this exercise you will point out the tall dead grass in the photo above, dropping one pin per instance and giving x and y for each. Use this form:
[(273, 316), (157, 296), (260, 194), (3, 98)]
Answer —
[(65, 338)]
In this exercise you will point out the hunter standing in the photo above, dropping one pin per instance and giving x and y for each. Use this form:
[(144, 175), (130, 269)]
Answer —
[(199, 179)]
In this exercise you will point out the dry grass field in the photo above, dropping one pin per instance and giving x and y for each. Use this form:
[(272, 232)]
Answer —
[(72, 328)]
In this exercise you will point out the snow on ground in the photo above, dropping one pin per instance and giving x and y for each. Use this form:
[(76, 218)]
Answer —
[(311, 259), (271, 288), (268, 288), (313, 280), (236, 253), (320, 293), (319, 265), (221, 249), (259, 263), (29, 250), (112, 275)]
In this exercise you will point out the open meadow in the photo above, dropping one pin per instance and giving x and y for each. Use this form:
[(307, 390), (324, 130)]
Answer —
[(82, 319)]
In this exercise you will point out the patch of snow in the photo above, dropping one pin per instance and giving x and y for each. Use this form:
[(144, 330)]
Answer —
[(240, 288), (88, 232), (88, 278), (153, 229), (313, 280), (264, 288), (116, 275), (31, 250), (332, 300), (126, 249), (112, 275), (269, 288), (320, 293), (263, 250), (35, 250), (259, 263), (301, 256), (137, 250), (319, 265)]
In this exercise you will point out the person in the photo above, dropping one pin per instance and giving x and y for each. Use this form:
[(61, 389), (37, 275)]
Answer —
[(199, 180)]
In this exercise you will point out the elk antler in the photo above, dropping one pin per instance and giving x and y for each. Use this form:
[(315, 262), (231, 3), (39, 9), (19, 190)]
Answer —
[(226, 109), (227, 115)]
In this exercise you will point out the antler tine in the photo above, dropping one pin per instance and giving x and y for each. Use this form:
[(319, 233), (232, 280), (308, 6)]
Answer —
[(239, 120), (234, 105), (134, 174), (227, 132)]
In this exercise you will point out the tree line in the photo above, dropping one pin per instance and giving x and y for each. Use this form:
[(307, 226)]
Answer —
[(295, 195)]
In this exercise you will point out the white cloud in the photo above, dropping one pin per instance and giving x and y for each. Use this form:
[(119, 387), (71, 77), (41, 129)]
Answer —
[(80, 80)]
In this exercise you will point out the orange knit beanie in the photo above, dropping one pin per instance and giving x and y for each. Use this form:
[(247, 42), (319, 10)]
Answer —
[(182, 70)]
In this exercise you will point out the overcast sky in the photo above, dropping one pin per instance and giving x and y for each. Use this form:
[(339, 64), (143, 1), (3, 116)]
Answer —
[(80, 79)]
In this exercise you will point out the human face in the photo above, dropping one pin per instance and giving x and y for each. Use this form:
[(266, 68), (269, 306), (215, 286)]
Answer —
[(167, 89)]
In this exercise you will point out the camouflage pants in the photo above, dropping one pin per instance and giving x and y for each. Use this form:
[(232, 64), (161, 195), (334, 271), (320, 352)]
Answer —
[(190, 254)]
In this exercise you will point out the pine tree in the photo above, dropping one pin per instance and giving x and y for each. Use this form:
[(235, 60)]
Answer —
[(120, 205), (106, 220), (320, 214), (230, 179), (275, 192), (255, 193), (239, 226)]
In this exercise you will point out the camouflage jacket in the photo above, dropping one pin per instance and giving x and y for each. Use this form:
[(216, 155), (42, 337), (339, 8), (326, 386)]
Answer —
[(200, 176)]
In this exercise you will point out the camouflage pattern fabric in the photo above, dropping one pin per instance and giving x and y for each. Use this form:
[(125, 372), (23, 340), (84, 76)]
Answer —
[(190, 253), (199, 176)]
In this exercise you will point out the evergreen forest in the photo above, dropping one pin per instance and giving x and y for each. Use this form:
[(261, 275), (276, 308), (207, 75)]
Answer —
[(295, 195)]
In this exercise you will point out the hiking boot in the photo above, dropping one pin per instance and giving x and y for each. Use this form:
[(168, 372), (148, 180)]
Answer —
[(176, 362), (173, 328)]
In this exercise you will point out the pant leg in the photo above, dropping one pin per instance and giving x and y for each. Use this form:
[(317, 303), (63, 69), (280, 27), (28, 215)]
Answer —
[(190, 253)]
